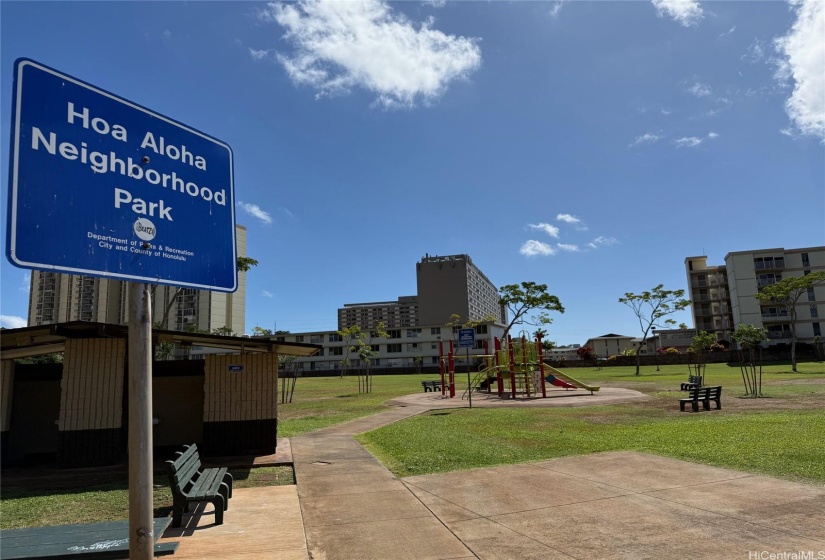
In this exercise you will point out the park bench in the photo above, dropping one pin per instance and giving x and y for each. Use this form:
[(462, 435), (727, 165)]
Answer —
[(192, 483), (703, 394), (433, 386), (108, 540), (693, 382)]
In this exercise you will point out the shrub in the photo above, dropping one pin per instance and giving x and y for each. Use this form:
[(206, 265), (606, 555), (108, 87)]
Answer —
[(672, 350)]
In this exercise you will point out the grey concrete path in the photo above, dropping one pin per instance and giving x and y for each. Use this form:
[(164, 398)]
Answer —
[(611, 505)]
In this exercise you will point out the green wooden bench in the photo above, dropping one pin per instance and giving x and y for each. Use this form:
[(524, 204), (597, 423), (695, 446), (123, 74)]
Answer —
[(191, 483), (108, 540), (703, 395), (431, 386)]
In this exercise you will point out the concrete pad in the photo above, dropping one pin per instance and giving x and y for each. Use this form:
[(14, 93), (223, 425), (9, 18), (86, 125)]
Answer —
[(325, 466), (493, 541), (798, 509), (555, 398), (359, 508), (441, 508), (262, 522), (347, 483), (639, 526), (499, 490), (422, 538), (638, 472)]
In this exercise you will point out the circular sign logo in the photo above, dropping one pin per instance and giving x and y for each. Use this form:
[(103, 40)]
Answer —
[(145, 229)]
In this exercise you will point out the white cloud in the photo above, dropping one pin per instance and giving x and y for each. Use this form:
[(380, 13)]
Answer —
[(532, 248), (258, 55), (603, 241), (342, 45), (555, 9), (693, 141), (286, 212), (573, 220), (569, 247), (802, 53), (12, 322), (700, 90), (25, 284), (728, 32), (267, 294), (646, 138), (665, 112), (688, 142), (435, 3), (256, 212), (549, 229), (685, 12)]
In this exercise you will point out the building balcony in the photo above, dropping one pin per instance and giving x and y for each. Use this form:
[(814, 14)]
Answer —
[(769, 265), (776, 316), (779, 335)]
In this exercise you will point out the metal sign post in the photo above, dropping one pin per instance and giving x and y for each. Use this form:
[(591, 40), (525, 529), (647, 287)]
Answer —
[(141, 539), (467, 340)]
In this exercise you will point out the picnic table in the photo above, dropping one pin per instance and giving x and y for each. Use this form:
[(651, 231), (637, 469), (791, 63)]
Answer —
[(89, 540)]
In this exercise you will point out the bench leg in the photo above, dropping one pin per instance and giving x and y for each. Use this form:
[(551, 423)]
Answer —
[(177, 513), (706, 404), (695, 406), (682, 406), (228, 479), (220, 506), (224, 491)]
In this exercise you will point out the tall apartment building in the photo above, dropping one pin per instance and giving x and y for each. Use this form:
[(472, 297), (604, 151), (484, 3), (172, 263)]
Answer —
[(57, 298), (710, 297), (454, 285), (732, 294), (394, 314), (446, 286)]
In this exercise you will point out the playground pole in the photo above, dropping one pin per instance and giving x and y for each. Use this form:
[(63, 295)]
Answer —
[(512, 356), (524, 364), (488, 362), (499, 378), (540, 354), (441, 366)]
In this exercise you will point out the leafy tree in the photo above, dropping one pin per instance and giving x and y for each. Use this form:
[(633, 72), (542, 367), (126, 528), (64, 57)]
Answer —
[(750, 339), (224, 331), (650, 307), (787, 292), (56, 358), (360, 342), (699, 348), (521, 299), (244, 264), (260, 331)]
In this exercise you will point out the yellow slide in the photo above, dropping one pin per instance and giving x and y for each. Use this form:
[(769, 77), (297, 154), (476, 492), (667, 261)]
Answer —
[(571, 380)]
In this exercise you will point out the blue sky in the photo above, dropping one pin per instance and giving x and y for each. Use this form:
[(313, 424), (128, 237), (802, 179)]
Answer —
[(590, 146)]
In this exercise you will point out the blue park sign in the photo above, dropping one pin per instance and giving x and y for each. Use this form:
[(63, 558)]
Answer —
[(101, 186), (466, 338)]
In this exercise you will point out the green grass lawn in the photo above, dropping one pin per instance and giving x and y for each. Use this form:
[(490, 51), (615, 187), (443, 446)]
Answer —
[(779, 435)]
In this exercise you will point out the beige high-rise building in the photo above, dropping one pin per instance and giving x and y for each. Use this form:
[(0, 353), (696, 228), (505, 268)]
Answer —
[(724, 296), (58, 298), (454, 285)]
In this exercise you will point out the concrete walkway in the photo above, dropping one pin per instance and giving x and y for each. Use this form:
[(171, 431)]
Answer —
[(610, 505)]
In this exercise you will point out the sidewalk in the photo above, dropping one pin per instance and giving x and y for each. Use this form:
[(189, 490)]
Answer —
[(347, 506)]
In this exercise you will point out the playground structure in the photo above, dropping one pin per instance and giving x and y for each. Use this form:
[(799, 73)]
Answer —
[(515, 368)]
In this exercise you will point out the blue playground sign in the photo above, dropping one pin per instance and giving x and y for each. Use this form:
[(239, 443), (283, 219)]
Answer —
[(466, 338), (101, 186)]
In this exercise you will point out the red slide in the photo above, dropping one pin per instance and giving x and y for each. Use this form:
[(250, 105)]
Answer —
[(558, 382)]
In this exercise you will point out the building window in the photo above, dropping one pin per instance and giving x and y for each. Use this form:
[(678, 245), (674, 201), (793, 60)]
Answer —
[(299, 338), (337, 351), (320, 352), (413, 333), (435, 330), (334, 337), (393, 348), (811, 295), (394, 333), (481, 329), (413, 347), (434, 360), (814, 312), (805, 260), (316, 339), (817, 331)]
